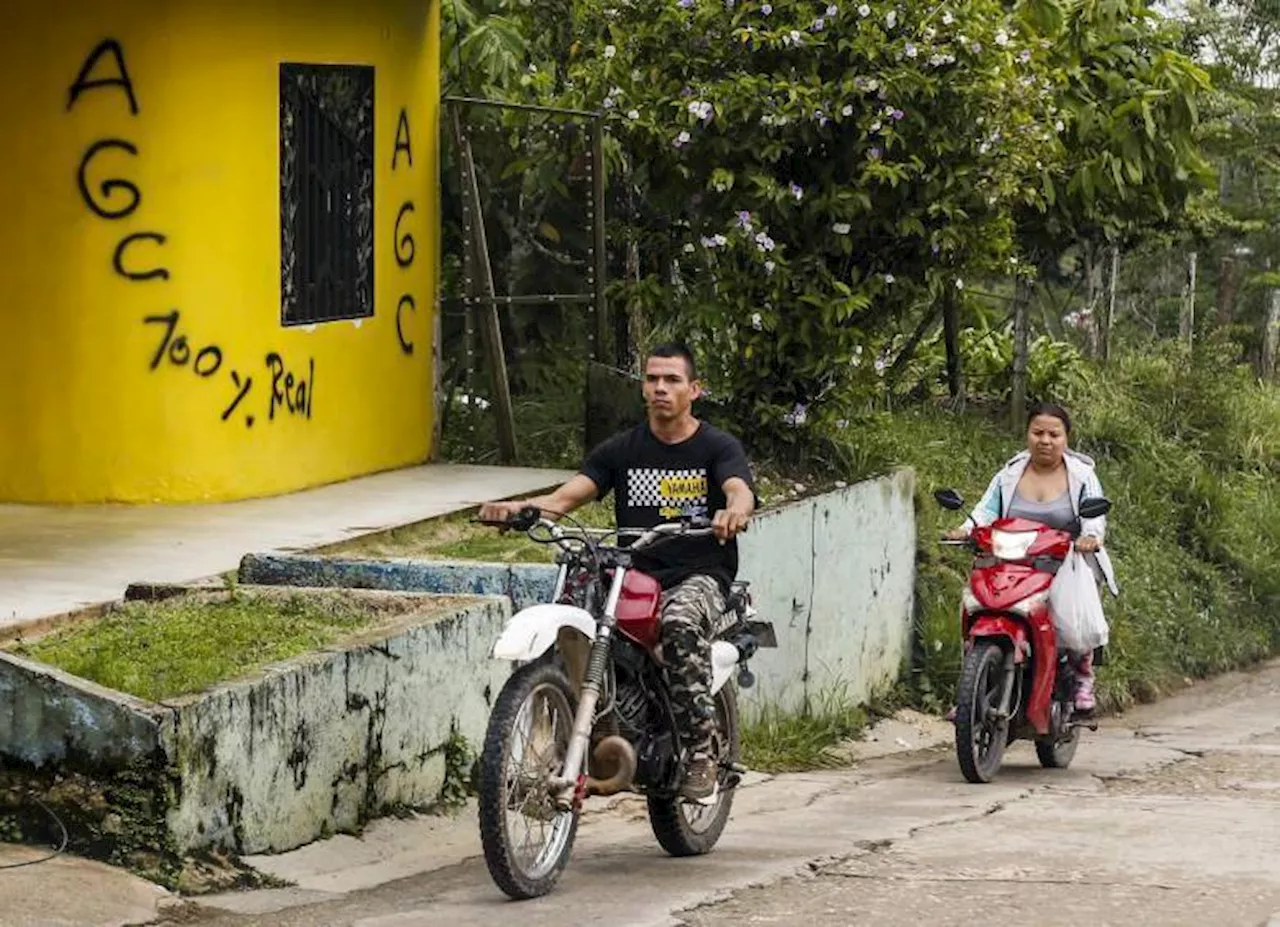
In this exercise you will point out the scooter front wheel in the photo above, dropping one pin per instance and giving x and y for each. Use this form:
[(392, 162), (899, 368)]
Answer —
[(981, 735), (527, 839)]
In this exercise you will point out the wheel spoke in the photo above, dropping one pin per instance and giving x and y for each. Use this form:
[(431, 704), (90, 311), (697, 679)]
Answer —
[(537, 743)]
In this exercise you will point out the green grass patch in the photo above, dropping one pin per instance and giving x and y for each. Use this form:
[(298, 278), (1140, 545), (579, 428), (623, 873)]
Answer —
[(454, 537), (158, 650), (775, 741)]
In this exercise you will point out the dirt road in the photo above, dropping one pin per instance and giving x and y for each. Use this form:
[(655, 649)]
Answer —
[(1169, 816)]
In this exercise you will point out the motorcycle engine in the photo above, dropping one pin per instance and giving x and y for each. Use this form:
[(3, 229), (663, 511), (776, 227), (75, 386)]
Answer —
[(641, 724), (632, 706)]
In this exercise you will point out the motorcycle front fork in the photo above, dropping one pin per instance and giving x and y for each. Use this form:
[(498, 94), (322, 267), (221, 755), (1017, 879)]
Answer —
[(568, 785)]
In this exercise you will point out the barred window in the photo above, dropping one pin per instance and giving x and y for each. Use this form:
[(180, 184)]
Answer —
[(326, 192)]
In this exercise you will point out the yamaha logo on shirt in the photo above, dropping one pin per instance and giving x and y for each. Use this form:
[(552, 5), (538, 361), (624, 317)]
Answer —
[(674, 493)]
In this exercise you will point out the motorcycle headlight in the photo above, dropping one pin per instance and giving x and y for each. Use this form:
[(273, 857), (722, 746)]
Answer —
[(1012, 545)]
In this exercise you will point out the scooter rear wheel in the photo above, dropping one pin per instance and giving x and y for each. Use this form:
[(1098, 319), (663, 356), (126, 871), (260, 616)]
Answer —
[(980, 736), (1058, 754)]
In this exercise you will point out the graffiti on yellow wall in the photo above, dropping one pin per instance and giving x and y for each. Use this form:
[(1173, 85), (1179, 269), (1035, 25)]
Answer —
[(289, 393), (406, 250)]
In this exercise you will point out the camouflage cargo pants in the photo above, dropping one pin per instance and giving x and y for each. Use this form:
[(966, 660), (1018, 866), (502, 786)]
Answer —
[(692, 615)]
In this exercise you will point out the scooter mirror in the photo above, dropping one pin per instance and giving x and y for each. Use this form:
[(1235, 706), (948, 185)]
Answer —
[(1094, 507), (949, 499)]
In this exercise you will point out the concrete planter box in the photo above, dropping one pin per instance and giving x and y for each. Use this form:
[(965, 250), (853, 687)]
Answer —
[(270, 761)]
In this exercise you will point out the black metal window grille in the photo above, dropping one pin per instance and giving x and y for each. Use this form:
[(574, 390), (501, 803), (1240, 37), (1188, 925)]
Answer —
[(326, 192)]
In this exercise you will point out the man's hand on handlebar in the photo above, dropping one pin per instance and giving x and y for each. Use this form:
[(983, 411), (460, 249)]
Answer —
[(505, 513), (727, 524)]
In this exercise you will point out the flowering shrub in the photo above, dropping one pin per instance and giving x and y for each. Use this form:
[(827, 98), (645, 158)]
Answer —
[(806, 172)]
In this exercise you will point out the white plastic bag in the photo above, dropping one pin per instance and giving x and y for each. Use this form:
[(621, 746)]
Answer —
[(1077, 607)]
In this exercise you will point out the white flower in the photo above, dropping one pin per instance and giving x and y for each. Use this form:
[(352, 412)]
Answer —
[(756, 322), (947, 18), (889, 278), (1059, 126), (610, 51), (848, 110), (689, 248), (929, 33), (1002, 38), (832, 10), (769, 267), (842, 228), (864, 11), (700, 109), (911, 50), (875, 126), (633, 114), (683, 139), (959, 283), (892, 19), (764, 242), (796, 36)]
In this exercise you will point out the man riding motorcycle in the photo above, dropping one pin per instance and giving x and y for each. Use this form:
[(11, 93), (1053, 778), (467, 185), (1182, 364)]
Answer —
[(673, 466)]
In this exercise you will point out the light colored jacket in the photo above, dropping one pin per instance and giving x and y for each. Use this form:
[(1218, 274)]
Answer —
[(1082, 483)]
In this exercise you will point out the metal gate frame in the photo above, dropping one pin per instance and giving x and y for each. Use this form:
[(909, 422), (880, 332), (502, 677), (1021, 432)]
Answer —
[(479, 297)]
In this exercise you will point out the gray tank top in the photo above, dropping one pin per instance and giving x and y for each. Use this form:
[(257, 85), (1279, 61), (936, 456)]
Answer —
[(1056, 513)]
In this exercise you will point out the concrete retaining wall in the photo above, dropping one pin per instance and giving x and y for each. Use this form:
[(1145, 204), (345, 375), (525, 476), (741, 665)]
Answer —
[(835, 573), (274, 760)]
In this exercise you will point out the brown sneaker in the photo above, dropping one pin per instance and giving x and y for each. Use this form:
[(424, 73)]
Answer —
[(700, 779)]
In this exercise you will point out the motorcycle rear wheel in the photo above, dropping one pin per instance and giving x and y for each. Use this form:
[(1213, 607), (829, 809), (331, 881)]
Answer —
[(684, 828), (980, 739), (1058, 754), (527, 840)]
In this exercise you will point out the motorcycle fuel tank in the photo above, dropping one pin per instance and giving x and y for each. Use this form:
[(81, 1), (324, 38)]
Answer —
[(638, 608)]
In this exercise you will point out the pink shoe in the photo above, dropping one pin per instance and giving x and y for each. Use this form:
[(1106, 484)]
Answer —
[(1084, 693)]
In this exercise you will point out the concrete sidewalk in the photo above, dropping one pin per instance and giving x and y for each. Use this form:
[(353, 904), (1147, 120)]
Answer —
[(55, 560), (67, 891)]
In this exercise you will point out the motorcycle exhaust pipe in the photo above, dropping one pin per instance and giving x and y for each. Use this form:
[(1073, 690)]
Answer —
[(614, 753)]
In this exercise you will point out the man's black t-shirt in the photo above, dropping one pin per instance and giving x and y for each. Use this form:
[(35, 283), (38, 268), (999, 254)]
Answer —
[(653, 482)]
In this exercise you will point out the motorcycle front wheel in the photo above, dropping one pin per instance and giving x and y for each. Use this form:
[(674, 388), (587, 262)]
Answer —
[(980, 736), (527, 839), (686, 828)]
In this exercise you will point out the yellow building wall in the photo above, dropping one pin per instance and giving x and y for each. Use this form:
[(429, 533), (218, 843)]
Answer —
[(84, 417)]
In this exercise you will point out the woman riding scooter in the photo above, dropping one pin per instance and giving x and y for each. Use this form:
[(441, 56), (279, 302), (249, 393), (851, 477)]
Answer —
[(1045, 484)]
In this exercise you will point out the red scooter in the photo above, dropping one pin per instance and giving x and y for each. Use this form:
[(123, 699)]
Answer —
[(1014, 684)]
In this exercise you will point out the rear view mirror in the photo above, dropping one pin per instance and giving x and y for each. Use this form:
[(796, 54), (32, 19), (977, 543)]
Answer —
[(949, 499), (1094, 507)]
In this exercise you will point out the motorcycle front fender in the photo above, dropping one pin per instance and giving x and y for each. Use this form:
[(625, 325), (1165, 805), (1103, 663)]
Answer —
[(532, 631), (1007, 628)]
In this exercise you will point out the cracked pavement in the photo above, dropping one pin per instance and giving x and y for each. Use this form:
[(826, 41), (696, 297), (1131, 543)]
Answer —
[(1169, 815)]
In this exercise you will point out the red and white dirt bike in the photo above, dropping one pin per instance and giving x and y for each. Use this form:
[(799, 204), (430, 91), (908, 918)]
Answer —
[(1015, 683), (588, 712)]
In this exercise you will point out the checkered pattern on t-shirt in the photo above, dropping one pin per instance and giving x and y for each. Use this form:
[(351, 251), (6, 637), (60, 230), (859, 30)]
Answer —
[(645, 487)]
